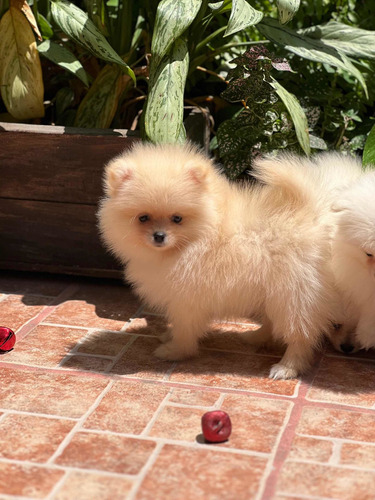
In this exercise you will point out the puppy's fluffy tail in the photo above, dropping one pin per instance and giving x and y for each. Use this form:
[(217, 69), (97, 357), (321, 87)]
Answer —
[(301, 180), (291, 174)]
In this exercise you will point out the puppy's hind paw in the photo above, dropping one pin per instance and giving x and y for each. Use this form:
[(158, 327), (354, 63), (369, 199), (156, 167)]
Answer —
[(282, 372), (170, 351)]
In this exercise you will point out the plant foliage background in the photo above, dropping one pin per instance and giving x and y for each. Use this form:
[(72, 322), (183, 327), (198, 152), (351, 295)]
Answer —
[(267, 75)]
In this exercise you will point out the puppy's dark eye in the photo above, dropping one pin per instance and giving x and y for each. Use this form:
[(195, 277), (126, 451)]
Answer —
[(176, 219), (369, 254), (143, 218)]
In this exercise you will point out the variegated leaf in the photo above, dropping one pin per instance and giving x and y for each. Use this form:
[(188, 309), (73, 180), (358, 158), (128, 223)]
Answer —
[(287, 9), (75, 23), (64, 58), (309, 48), (165, 102), (297, 114), (242, 16), (100, 104), (173, 17), (21, 78), (216, 5), (354, 42)]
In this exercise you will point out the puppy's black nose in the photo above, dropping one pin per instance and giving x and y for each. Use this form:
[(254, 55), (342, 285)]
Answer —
[(159, 237), (346, 348)]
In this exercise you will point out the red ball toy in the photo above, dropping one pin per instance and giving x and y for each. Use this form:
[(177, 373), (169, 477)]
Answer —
[(7, 339), (216, 426)]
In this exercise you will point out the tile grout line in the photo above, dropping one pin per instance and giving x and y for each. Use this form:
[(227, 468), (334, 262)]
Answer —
[(122, 351), (183, 444), (79, 423), (73, 354), (351, 467), (46, 311), (68, 438), (156, 414), (337, 440), (287, 436), (40, 415), (185, 385), (141, 476), (59, 484), (180, 444), (272, 456), (167, 383), (219, 402)]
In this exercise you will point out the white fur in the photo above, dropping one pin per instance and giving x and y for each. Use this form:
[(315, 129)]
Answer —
[(354, 270), (260, 251)]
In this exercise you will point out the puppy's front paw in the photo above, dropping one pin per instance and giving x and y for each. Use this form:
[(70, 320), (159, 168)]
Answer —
[(280, 371), (365, 338), (173, 352)]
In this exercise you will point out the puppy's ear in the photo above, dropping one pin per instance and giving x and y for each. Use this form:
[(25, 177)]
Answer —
[(117, 172), (198, 170)]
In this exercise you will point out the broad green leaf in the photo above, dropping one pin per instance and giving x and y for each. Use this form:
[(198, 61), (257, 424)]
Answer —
[(354, 42), (297, 114), (100, 104), (21, 78), (173, 17), (287, 9), (75, 23), (165, 102), (242, 16), (369, 151), (45, 27), (308, 48), (64, 58)]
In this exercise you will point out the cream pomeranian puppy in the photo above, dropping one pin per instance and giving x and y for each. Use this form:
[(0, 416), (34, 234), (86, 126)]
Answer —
[(353, 254), (199, 248)]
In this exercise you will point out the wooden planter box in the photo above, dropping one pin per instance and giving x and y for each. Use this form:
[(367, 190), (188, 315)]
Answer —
[(50, 184)]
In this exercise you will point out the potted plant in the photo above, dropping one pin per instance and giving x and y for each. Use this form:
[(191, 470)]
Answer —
[(89, 78)]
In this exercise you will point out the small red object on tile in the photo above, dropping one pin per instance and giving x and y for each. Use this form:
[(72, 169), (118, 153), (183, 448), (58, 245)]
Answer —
[(7, 339), (216, 426)]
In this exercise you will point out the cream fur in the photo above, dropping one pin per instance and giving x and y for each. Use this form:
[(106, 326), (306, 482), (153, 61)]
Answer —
[(260, 251), (354, 269)]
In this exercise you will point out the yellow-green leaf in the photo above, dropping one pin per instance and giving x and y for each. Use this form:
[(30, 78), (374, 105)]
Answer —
[(20, 70), (100, 103)]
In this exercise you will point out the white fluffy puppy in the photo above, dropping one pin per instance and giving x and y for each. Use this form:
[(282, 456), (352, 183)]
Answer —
[(354, 263), (200, 248)]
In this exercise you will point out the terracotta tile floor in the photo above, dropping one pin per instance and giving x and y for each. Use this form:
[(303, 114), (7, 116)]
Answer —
[(87, 412)]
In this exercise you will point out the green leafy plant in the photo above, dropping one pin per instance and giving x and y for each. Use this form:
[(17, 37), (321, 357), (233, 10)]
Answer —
[(265, 121), (110, 62)]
